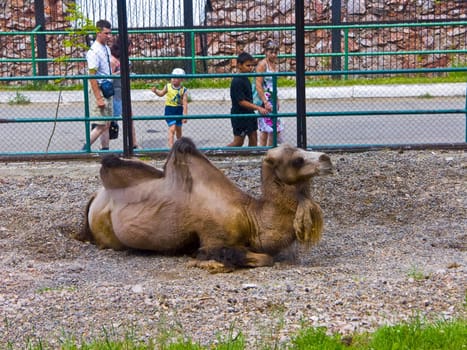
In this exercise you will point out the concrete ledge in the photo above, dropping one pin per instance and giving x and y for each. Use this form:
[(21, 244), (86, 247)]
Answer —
[(359, 91)]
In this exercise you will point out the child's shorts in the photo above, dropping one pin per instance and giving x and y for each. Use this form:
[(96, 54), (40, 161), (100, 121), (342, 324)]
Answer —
[(170, 110)]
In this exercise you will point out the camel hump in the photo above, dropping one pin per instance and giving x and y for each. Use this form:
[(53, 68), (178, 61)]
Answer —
[(119, 173), (182, 163), (186, 146)]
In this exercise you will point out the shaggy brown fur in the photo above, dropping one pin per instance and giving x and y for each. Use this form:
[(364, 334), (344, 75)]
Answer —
[(192, 206)]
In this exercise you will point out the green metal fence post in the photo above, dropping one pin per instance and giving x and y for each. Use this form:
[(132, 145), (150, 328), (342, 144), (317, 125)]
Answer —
[(86, 115), (33, 53), (274, 110), (193, 52), (346, 52)]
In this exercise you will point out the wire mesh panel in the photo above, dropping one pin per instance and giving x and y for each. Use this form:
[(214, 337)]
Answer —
[(347, 116), (381, 45), (377, 11), (410, 125)]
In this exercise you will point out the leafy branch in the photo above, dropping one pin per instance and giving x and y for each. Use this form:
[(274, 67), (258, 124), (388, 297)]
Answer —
[(80, 28)]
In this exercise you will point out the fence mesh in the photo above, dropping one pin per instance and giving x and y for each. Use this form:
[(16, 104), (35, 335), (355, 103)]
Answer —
[(345, 116), (338, 115)]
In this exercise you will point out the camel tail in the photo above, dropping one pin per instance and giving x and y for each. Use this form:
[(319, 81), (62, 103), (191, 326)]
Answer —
[(85, 234)]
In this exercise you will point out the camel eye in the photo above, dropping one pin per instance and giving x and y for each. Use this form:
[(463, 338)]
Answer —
[(298, 162)]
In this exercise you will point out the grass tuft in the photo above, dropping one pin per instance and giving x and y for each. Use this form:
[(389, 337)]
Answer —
[(415, 334), (19, 99)]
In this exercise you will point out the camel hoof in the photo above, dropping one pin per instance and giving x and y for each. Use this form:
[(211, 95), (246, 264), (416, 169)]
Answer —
[(212, 266), (259, 260)]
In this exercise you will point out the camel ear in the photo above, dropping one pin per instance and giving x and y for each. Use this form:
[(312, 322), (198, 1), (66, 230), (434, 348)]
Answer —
[(269, 161), (272, 156)]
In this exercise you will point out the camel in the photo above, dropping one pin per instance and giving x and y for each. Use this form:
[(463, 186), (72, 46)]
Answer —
[(191, 207)]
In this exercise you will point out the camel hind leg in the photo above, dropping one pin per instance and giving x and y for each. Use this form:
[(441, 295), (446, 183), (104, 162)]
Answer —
[(100, 231), (85, 234)]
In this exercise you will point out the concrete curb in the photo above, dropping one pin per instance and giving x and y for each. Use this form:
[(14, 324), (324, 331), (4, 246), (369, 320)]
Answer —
[(359, 91)]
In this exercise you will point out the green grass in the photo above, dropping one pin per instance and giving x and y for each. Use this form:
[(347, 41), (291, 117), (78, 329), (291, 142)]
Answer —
[(413, 335), (19, 99), (458, 77), (417, 274), (409, 336)]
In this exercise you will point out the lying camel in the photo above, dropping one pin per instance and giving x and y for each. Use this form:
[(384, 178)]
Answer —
[(192, 207)]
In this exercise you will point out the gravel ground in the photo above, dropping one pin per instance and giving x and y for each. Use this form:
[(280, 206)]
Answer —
[(394, 246)]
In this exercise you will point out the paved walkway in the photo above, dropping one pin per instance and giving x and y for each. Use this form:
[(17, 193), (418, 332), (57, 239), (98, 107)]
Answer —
[(360, 91)]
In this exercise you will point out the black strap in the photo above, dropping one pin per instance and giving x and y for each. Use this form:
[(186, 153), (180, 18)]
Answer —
[(108, 59)]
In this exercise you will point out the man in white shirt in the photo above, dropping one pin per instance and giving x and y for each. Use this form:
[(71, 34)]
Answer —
[(98, 60)]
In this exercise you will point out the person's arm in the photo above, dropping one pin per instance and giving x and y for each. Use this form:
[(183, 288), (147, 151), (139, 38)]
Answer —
[(185, 104), (96, 90), (253, 107), (261, 68), (158, 92), (114, 65)]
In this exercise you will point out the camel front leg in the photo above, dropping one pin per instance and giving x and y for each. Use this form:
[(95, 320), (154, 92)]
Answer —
[(258, 259), (226, 259), (212, 266)]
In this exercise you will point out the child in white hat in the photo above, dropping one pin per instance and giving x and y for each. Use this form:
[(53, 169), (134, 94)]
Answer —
[(176, 104)]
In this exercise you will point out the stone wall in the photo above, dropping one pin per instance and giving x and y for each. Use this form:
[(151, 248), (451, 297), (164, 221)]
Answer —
[(18, 15), (317, 12)]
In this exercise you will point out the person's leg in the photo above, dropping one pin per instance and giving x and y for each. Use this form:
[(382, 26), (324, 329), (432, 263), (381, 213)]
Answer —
[(107, 111), (97, 131), (171, 135), (270, 138), (105, 140), (178, 131), (133, 135), (98, 127), (263, 138), (237, 141), (279, 138), (253, 139)]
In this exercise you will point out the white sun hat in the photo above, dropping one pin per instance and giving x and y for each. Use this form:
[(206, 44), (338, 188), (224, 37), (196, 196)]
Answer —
[(178, 71)]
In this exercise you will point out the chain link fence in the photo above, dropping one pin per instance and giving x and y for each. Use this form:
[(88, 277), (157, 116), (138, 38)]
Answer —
[(339, 115), (342, 117)]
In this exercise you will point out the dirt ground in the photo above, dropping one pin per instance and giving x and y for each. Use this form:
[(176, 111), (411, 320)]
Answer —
[(394, 246)]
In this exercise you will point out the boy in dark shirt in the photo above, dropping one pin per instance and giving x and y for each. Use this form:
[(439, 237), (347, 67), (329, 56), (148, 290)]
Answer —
[(242, 103)]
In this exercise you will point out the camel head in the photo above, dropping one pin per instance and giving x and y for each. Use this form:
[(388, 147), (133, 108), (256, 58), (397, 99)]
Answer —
[(292, 165), (287, 172)]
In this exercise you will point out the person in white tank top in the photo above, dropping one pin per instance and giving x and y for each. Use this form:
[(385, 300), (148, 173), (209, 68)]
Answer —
[(263, 94)]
